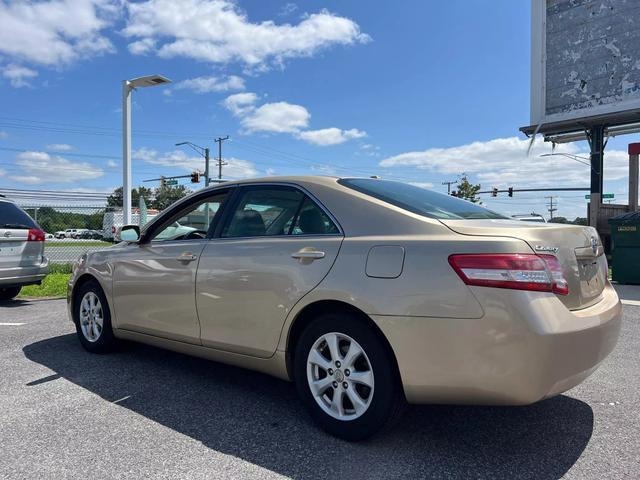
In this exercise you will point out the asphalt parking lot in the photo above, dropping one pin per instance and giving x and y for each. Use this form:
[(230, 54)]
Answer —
[(145, 412)]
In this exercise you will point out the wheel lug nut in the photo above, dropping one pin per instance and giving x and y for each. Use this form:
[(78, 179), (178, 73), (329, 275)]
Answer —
[(345, 385), (347, 372), (338, 364), (335, 384), (330, 371)]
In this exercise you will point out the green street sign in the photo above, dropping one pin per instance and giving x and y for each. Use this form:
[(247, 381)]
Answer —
[(604, 195), (171, 182)]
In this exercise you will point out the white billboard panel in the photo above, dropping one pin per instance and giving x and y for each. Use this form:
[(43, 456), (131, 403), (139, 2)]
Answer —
[(585, 61)]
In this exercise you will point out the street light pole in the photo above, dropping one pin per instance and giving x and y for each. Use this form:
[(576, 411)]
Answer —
[(204, 151), (127, 87)]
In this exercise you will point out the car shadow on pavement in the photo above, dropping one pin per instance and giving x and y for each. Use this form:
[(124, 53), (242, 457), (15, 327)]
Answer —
[(258, 418)]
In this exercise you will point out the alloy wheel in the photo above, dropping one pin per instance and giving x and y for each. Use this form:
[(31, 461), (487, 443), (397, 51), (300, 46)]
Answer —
[(91, 317), (340, 376)]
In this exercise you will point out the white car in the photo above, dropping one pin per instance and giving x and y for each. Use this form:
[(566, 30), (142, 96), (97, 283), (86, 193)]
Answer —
[(68, 233), (22, 260)]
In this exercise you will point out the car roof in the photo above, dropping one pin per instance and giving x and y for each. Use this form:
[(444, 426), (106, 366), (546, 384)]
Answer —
[(317, 179)]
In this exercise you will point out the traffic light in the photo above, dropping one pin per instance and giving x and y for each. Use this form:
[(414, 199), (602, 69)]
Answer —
[(511, 191), (494, 192), (195, 177)]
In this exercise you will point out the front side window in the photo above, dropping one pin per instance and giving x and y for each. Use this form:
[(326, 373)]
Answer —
[(268, 211), (419, 200), (191, 223)]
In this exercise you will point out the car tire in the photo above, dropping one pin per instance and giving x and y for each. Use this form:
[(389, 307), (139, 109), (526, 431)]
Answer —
[(9, 293), (370, 378), (92, 318)]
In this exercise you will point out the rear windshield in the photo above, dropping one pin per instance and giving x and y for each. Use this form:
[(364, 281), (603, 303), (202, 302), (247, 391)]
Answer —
[(419, 200), (13, 217)]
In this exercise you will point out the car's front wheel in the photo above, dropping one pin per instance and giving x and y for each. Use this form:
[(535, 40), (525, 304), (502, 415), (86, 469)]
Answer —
[(93, 318), (8, 293), (346, 376)]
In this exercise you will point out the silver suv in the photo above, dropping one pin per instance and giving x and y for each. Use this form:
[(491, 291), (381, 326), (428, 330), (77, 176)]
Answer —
[(22, 260)]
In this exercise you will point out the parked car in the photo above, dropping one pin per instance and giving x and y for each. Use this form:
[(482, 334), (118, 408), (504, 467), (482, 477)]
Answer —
[(68, 233), (530, 217), (48, 236), (89, 235), (22, 260), (364, 292), (78, 231)]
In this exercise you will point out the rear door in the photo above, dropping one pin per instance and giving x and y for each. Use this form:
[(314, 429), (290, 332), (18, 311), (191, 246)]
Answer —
[(276, 245), (15, 249)]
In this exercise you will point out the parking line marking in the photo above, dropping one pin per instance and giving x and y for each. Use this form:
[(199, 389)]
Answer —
[(635, 303), (11, 324)]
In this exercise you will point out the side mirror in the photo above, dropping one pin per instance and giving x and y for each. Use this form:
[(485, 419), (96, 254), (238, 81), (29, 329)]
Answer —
[(128, 233)]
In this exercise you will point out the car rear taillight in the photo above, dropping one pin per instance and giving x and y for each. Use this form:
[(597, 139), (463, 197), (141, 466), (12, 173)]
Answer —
[(35, 235), (541, 273)]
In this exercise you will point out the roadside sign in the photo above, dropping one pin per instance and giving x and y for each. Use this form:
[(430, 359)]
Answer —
[(604, 195), (171, 182)]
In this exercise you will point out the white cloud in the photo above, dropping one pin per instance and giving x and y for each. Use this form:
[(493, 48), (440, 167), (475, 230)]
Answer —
[(60, 147), (3, 135), (504, 162), (330, 136), (235, 168), (287, 9), (18, 75), (218, 31), (210, 84), (40, 167), (240, 103), (276, 117), (56, 32), (112, 164)]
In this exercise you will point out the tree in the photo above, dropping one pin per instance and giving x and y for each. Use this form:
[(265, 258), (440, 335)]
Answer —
[(581, 221), (559, 220), (115, 199), (468, 191), (165, 196)]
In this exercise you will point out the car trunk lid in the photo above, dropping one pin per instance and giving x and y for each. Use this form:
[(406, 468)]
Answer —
[(578, 249), (13, 242)]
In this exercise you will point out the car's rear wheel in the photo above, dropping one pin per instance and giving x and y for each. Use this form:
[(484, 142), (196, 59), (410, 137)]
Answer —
[(7, 293), (93, 318), (346, 376)]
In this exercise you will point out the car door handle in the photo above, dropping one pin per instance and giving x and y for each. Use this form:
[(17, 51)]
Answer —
[(308, 254), (186, 257)]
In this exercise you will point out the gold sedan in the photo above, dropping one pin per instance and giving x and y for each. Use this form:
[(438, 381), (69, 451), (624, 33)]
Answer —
[(366, 293)]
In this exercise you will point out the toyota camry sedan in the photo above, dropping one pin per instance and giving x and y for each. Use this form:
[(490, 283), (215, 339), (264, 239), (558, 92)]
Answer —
[(366, 293)]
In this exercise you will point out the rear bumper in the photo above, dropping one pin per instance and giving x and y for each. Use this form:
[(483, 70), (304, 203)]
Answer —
[(21, 276), (526, 347)]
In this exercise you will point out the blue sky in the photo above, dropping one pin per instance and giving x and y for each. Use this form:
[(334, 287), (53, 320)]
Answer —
[(416, 91)]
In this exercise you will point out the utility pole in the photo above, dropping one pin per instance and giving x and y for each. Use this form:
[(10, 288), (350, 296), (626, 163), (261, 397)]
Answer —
[(551, 206), (448, 184), (219, 141), (206, 167)]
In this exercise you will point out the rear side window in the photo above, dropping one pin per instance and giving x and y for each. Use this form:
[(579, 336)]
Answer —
[(12, 216), (419, 200), (267, 211)]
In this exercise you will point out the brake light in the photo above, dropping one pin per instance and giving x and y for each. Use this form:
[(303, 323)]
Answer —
[(541, 273), (35, 235)]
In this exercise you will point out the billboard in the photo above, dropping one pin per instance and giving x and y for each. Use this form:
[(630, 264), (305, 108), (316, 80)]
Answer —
[(585, 62)]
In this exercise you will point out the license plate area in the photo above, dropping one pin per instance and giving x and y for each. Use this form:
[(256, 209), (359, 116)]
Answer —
[(592, 279)]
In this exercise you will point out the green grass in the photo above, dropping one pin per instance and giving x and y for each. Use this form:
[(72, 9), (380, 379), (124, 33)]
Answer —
[(94, 243), (53, 285)]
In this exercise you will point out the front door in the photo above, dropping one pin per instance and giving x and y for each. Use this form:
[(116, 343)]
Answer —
[(154, 280), (276, 246)]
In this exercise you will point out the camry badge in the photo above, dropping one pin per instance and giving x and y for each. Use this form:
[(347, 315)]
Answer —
[(545, 248)]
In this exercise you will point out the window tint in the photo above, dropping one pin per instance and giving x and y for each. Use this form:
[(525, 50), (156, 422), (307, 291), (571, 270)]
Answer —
[(311, 220), (419, 200), (12, 216), (193, 222), (264, 211)]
